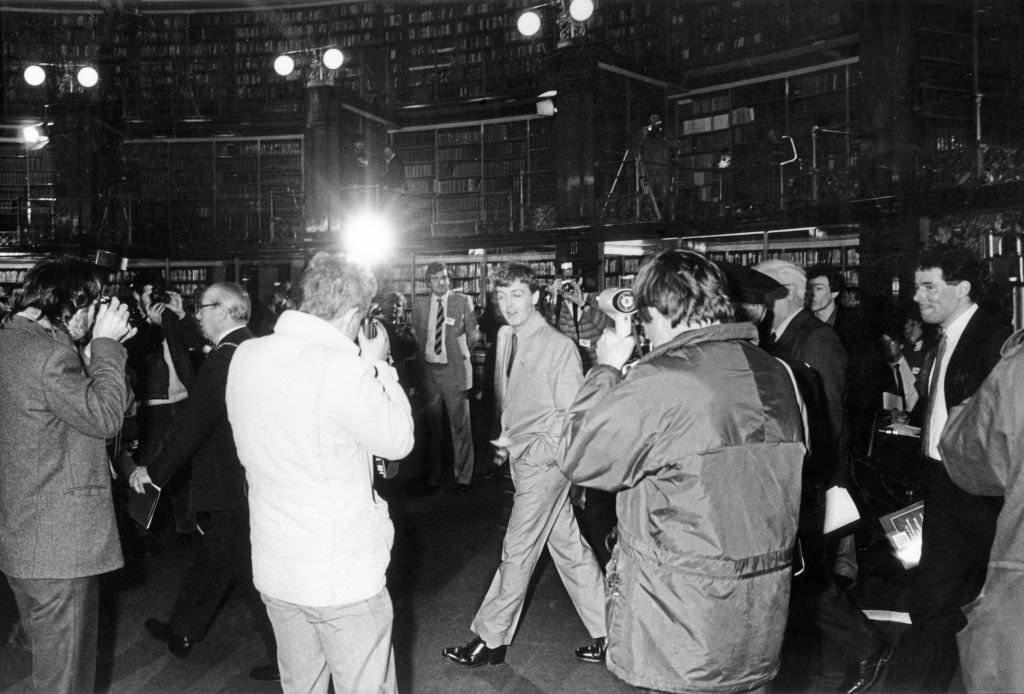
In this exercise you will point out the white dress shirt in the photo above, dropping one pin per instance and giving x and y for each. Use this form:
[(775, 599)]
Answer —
[(937, 406)]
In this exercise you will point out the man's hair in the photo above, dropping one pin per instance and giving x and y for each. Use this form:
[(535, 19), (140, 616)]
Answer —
[(684, 286), (234, 298), (957, 263), (836, 281), (434, 268), (332, 284), (516, 272), (785, 272), (59, 286)]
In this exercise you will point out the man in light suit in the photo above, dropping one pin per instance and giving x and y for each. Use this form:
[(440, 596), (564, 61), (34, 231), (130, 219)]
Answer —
[(57, 526), (446, 328), (959, 527), (537, 377), (200, 435)]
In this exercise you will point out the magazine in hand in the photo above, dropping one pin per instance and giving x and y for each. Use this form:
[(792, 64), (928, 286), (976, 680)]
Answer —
[(903, 530)]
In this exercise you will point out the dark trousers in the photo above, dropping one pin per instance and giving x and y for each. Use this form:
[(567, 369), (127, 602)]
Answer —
[(834, 613), (956, 539), (154, 423), (224, 558), (595, 514), (60, 617)]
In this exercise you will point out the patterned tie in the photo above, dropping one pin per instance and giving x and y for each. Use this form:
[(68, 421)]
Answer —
[(933, 388), (439, 328)]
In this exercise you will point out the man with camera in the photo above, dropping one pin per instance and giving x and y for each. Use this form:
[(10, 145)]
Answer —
[(703, 441), (57, 527), (310, 406)]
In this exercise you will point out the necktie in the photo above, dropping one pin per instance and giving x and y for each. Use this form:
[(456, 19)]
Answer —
[(513, 342), (439, 328), (933, 388), (900, 391), (770, 344)]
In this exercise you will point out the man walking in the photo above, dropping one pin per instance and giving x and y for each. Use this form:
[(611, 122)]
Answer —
[(200, 434), (310, 407), (446, 328), (537, 375)]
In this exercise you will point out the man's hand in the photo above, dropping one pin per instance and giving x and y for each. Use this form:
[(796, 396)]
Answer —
[(139, 479), (378, 348), (155, 313), (112, 321), (572, 292), (500, 456), (614, 350), (176, 304)]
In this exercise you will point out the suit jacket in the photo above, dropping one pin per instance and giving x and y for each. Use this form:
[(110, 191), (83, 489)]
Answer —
[(809, 340), (56, 510), (202, 434), (977, 351), (457, 374)]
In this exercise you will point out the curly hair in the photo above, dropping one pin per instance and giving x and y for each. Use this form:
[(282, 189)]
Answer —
[(59, 286), (332, 284)]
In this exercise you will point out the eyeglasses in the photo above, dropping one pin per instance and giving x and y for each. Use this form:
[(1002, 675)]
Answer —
[(200, 307)]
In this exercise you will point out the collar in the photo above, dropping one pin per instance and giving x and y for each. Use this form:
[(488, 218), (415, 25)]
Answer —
[(785, 324), (232, 329), (531, 326), (832, 317), (444, 297), (959, 324), (297, 324), (719, 332)]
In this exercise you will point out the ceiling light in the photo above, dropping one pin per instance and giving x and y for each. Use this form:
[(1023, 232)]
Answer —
[(35, 75), (284, 65), (528, 23), (333, 58), (88, 77), (581, 10)]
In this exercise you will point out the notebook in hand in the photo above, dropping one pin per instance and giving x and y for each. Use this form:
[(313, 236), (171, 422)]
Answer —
[(141, 507)]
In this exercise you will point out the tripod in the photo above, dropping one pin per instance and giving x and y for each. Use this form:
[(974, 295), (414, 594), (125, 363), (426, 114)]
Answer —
[(641, 185)]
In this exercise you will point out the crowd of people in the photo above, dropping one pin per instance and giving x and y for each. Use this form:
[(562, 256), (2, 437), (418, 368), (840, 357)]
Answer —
[(677, 465)]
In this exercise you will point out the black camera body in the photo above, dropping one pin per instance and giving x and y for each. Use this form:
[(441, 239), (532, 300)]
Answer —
[(370, 321)]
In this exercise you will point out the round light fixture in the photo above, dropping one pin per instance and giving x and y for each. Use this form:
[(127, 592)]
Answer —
[(528, 23), (35, 75), (333, 58), (581, 10), (88, 77), (283, 65)]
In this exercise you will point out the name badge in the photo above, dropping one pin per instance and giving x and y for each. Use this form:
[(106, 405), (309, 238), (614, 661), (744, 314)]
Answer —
[(584, 342), (449, 322)]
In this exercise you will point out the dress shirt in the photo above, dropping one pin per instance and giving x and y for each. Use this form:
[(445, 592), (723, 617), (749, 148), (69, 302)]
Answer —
[(308, 415), (429, 355), (937, 406)]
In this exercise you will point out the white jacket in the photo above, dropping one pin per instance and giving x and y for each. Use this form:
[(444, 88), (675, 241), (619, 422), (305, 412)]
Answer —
[(308, 413)]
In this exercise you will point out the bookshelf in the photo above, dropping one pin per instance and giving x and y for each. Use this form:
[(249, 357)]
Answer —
[(480, 177), (220, 191), (31, 176)]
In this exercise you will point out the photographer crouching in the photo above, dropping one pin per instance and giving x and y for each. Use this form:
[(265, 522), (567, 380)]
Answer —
[(703, 441)]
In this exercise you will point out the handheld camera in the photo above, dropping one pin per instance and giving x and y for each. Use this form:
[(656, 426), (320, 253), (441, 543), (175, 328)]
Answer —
[(370, 321), (618, 304)]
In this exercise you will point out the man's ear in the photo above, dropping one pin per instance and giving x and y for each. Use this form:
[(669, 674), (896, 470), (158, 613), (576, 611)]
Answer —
[(963, 288), (536, 297)]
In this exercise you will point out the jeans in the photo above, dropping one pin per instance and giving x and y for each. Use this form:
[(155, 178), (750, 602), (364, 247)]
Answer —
[(349, 644), (60, 617)]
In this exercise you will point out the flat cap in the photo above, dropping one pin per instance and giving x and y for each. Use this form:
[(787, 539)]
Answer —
[(748, 286)]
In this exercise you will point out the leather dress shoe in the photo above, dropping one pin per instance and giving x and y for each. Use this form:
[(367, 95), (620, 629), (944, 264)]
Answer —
[(863, 674), (266, 673), (594, 651), (475, 653), (179, 646)]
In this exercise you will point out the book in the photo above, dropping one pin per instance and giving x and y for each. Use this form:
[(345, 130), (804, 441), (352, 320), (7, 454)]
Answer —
[(903, 530), (141, 507), (840, 510)]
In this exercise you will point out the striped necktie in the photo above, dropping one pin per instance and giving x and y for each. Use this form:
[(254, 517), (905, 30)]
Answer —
[(439, 328)]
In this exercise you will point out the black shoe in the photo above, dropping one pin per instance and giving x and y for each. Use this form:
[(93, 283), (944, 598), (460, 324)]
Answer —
[(266, 673), (862, 675), (594, 651), (475, 653), (180, 646)]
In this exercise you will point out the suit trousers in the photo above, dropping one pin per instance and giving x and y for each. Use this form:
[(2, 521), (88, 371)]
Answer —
[(347, 644), (541, 514), (224, 558), (456, 402), (60, 617), (836, 616), (956, 538)]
